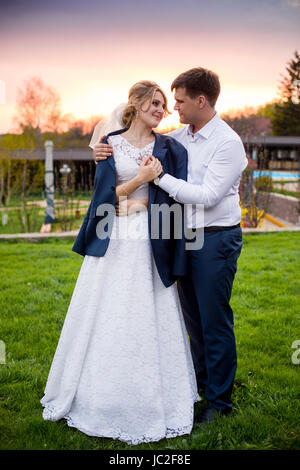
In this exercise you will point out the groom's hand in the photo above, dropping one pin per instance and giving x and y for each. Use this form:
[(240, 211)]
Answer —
[(148, 160), (151, 160), (102, 151)]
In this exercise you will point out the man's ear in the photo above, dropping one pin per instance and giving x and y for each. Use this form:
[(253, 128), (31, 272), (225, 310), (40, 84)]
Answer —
[(201, 101)]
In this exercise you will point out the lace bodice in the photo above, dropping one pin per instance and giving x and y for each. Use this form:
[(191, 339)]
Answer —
[(127, 160)]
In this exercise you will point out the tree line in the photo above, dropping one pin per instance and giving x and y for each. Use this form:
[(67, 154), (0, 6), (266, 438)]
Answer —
[(280, 117)]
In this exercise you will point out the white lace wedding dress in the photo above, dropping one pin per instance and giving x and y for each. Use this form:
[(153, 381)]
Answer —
[(123, 367)]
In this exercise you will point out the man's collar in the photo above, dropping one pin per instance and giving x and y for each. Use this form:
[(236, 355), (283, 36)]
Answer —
[(206, 130)]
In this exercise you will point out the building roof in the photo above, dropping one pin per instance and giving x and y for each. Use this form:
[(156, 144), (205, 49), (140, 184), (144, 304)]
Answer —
[(289, 141), (58, 154), (85, 154)]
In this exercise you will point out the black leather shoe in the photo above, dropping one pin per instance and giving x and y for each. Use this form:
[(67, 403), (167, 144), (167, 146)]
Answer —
[(209, 415)]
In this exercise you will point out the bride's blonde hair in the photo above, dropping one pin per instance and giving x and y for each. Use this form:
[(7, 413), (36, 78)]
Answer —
[(138, 94)]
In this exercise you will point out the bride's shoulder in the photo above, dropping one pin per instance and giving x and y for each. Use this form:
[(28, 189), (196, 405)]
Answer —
[(116, 141), (172, 142), (114, 138)]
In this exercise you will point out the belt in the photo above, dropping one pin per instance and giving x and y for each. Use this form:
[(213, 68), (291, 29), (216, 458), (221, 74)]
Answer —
[(215, 228)]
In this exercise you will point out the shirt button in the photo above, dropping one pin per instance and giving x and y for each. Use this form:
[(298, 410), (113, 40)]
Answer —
[(113, 188)]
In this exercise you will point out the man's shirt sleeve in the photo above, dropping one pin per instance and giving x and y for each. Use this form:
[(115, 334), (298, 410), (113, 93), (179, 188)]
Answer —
[(224, 169)]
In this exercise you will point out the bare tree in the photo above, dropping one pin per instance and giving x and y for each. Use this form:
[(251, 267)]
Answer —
[(38, 106)]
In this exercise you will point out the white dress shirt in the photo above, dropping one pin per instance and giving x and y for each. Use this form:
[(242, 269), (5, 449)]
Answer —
[(216, 160)]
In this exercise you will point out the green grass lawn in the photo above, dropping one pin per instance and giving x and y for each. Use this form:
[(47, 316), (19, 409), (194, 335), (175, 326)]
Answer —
[(287, 193), (40, 195), (37, 281), (37, 219)]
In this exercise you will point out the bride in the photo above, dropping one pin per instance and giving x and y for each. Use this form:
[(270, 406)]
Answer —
[(123, 368)]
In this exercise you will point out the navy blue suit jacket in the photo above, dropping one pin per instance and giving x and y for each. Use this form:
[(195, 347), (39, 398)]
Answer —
[(169, 254)]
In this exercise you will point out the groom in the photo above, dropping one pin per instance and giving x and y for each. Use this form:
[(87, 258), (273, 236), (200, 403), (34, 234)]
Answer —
[(216, 162)]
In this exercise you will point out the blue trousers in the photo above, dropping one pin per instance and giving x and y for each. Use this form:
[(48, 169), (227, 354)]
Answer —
[(205, 295)]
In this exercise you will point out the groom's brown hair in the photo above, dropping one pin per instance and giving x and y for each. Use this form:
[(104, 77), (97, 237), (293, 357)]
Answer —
[(199, 81)]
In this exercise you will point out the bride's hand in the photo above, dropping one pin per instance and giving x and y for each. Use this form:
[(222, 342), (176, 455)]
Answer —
[(121, 207), (129, 206), (149, 169)]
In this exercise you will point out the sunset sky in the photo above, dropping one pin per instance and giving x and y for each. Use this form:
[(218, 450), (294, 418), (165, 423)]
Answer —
[(92, 51)]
